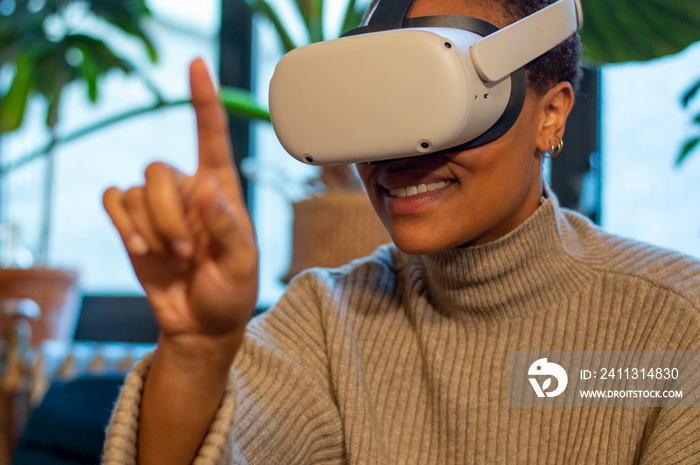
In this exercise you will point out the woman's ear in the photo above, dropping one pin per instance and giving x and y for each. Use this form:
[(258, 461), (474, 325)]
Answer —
[(554, 108)]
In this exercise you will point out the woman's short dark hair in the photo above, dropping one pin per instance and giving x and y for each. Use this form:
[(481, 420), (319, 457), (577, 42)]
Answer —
[(562, 63)]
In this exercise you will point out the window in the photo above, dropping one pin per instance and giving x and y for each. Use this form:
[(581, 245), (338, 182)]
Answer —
[(82, 236), (643, 128)]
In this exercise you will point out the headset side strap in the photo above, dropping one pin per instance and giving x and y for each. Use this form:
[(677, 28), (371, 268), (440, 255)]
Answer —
[(501, 53), (389, 14)]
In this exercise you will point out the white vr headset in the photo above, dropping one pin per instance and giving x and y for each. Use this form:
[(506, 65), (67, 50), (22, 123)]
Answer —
[(402, 87)]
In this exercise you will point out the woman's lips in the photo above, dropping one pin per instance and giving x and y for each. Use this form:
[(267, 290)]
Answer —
[(408, 188), (416, 198)]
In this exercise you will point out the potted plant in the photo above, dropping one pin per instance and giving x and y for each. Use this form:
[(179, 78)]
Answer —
[(46, 49)]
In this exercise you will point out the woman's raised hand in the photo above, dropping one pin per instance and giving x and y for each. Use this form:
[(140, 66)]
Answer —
[(190, 238)]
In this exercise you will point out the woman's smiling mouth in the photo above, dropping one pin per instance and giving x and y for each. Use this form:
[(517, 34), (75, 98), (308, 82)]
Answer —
[(415, 197), (410, 191)]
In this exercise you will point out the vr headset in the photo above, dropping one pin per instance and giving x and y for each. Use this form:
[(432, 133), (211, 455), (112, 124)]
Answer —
[(401, 87)]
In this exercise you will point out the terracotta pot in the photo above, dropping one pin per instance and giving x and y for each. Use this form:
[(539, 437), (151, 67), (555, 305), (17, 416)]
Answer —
[(56, 293)]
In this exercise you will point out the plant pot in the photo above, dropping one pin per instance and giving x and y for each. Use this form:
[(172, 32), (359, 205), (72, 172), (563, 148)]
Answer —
[(332, 229), (56, 293)]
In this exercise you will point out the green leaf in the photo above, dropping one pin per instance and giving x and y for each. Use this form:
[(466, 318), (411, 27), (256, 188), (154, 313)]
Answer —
[(598, 34), (633, 30), (104, 58), (51, 72), (689, 94), (304, 7), (24, 44), (315, 21), (90, 74), (14, 103), (264, 8), (353, 16), (52, 75), (241, 103), (127, 15), (688, 147), (19, 33), (52, 111), (98, 60)]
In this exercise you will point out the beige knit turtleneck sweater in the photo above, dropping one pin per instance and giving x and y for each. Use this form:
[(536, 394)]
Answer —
[(400, 359)]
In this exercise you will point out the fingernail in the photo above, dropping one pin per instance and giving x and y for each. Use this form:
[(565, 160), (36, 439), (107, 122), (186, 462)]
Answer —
[(137, 245), (182, 247)]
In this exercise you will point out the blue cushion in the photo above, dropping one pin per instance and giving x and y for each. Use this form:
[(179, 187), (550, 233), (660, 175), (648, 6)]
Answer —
[(68, 426)]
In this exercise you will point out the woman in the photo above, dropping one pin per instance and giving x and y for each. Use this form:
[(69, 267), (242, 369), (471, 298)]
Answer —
[(401, 357)]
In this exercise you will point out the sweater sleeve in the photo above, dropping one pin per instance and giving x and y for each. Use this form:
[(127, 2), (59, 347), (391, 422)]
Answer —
[(278, 406), (286, 410), (122, 433), (673, 431)]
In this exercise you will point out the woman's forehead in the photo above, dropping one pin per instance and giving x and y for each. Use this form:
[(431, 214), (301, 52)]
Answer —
[(490, 11)]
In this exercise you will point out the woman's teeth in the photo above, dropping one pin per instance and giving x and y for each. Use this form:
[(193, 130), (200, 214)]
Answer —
[(419, 189)]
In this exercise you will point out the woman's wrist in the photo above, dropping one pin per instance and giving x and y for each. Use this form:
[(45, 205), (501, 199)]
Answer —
[(198, 355)]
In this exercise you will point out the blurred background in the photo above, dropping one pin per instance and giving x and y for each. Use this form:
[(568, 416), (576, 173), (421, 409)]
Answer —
[(92, 91)]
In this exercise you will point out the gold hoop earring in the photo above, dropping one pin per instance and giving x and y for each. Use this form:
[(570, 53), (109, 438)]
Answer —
[(554, 151)]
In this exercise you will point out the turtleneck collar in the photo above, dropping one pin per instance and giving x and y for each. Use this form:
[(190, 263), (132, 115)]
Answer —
[(530, 267)]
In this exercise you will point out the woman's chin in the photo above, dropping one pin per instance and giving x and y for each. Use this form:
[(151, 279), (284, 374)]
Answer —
[(413, 244)]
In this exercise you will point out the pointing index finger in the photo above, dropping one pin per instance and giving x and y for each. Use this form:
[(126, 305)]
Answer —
[(212, 128)]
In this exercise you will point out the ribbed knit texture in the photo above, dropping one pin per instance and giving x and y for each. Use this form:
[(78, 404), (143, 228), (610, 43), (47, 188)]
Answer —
[(399, 359)]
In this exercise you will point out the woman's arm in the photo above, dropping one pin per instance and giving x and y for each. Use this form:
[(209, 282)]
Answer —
[(192, 245), (182, 393)]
